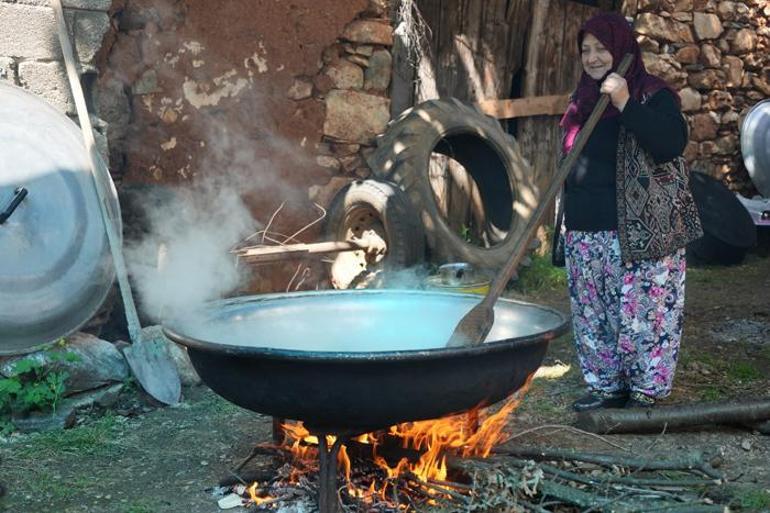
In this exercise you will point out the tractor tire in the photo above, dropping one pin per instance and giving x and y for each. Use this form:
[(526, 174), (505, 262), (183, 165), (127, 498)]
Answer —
[(492, 158), (377, 209)]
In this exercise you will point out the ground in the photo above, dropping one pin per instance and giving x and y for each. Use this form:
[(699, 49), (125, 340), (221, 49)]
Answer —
[(168, 459)]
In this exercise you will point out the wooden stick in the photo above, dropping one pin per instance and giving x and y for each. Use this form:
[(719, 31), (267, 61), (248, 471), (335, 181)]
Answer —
[(525, 107), (264, 254), (654, 419)]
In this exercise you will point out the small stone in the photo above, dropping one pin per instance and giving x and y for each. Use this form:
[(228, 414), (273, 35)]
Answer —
[(230, 501), (707, 26), (360, 60), (345, 75), (369, 32), (354, 116), (711, 56), (377, 75), (691, 99), (745, 41), (204, 463), (661, 28), (328, 162), (300, 89), (687, 54), (746, 444), (734, 68)]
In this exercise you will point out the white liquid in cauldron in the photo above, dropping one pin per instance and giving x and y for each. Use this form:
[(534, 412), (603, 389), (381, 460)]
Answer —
[(384, 321)]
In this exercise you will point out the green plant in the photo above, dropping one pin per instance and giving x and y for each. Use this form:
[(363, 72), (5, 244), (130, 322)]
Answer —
[(34, 386), (753, 499), (539, 275), (743, 371), (712, 393)]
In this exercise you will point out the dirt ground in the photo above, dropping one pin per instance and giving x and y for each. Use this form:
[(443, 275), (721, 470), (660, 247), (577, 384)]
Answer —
[(142, 459)]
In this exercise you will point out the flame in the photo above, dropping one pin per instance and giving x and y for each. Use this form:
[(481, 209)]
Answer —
[(256, 498), (469, 435)]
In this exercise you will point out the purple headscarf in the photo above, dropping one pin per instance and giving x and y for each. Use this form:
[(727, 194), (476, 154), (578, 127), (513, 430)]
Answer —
[(614, 32)]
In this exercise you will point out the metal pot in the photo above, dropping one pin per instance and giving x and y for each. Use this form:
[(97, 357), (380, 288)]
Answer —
[(362, 359), (55, 265)]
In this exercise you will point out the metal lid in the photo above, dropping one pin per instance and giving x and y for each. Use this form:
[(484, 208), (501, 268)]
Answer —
[(755, 145), (55, 264)]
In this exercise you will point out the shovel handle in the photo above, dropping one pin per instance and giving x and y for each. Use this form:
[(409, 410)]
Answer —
[(100, 175), (498, 285)]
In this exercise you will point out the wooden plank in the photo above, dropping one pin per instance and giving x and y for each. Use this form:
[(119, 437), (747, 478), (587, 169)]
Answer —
[(262, 254), (525, 107)]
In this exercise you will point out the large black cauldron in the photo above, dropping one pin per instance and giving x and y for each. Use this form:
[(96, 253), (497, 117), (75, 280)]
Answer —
[(362, 360)]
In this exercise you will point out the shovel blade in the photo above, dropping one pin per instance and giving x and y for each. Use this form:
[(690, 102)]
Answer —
[(153, 368)]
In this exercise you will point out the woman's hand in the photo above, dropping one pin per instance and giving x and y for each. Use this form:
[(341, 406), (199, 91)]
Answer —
[(617, 88)]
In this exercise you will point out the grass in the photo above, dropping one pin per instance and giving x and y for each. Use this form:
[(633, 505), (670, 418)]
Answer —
[(743, 371), (96, 438), (712, 393), (753, 499)]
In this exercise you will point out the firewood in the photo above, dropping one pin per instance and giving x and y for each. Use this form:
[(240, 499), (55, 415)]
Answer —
[(656, 419), (689, 461)]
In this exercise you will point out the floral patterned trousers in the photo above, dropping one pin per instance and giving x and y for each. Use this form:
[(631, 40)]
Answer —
[(627, 317)]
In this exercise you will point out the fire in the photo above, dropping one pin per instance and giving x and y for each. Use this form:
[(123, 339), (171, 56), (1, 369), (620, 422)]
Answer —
[(468, 435)]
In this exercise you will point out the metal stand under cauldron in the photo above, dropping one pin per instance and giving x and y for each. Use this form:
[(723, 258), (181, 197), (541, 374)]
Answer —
[(328, 500)]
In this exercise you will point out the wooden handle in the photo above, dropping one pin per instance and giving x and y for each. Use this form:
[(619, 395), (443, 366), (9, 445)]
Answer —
[(99, 172), (499, 283)]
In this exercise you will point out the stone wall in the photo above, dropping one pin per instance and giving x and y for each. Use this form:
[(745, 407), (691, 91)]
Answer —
[(282, 99), (30, 53), (716, 54)]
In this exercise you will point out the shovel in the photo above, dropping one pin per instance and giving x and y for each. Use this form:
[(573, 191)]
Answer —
[(149, 359), (474, 327)]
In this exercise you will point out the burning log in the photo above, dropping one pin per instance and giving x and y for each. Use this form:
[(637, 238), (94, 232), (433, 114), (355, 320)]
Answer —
[(667, 417)]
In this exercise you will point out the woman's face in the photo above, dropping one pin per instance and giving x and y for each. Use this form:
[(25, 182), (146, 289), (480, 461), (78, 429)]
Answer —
[(596, 59)]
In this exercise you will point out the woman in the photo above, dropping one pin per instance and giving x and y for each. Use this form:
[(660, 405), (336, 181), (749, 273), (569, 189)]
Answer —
[(628, 214)]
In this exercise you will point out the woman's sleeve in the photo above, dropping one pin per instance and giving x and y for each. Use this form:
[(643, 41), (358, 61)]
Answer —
[(658, 125)]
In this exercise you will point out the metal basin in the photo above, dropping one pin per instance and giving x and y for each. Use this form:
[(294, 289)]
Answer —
[(361, 360), (55, 263)]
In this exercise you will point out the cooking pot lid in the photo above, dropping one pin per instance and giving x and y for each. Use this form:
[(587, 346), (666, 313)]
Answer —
[(755, 145), (55, 264)]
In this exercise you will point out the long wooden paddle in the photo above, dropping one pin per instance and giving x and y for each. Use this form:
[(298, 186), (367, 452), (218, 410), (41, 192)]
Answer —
[(474, 327), (148, 358)]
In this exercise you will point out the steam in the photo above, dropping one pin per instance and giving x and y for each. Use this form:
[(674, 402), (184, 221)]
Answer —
[(184, 261)]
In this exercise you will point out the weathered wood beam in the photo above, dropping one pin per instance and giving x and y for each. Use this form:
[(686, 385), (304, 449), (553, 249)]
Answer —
[(676, 416), (525, 107)]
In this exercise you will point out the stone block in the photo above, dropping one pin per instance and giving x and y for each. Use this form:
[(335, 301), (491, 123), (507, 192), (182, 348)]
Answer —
[(687, 54), (90, 28), (28, 32), (704, 127), (49, 81), (354, 116), (377, 75), (706, 80), (691, 99), (88, 5), (707, 25), (369, 32), (726, 11), (661, 28), (719, 100), (345, 75), (734, 69), (745, 41), (711, 56)]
